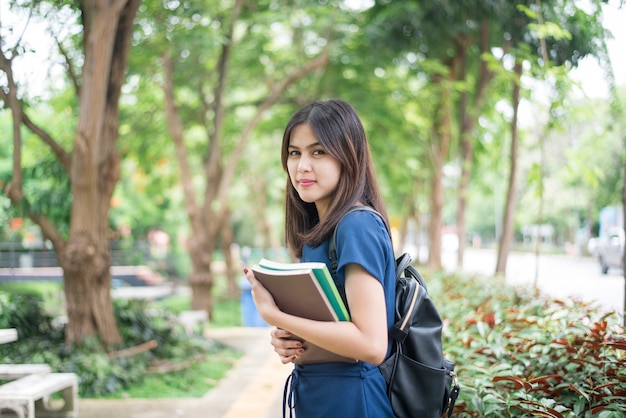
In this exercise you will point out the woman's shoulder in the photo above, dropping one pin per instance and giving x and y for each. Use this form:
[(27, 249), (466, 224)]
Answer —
[(361, 217), (361, 223), (362, 238)]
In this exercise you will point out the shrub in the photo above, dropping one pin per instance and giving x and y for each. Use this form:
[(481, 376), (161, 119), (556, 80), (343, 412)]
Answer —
[(521, 354), (100, 372)]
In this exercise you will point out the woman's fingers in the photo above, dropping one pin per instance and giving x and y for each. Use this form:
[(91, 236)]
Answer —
[(280, 333), (285, 345)]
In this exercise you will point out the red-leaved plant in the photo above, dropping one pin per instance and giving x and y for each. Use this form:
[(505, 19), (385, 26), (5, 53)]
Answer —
[(518, 353)]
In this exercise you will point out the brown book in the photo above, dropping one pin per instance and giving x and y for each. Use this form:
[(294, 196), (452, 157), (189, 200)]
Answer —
[(298, 292)]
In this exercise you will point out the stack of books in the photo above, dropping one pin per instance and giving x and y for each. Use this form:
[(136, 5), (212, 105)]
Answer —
[(306, 290)]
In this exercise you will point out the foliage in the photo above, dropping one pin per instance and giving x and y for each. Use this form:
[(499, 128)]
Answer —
[(23, 309), (390, 89), (520, 354), (41, 340), (583, 169), (50, 295)]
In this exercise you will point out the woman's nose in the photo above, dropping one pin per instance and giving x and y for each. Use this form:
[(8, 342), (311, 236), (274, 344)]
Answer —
[(304, 164)]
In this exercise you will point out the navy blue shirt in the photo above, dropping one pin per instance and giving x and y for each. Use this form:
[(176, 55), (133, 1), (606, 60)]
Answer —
[(349, 390), (362, 239)]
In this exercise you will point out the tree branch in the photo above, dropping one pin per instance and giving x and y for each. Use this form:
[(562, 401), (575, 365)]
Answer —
[(49, 232), (175, 126), (14, 188), (63, 156), (222, 70), (131, 351), (319, 62), (168, 366), (212, 164), (70, 67)]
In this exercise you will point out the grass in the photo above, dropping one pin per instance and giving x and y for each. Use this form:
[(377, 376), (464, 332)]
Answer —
[(193, 382), (226, 312), (197, 380)]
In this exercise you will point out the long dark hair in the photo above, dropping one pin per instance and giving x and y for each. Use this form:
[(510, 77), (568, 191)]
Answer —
[(340, 132)]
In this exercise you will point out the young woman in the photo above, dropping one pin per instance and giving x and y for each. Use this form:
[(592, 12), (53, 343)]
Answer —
[(327, 159)]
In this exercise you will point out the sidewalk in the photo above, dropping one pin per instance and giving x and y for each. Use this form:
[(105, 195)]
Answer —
[(253, 388)]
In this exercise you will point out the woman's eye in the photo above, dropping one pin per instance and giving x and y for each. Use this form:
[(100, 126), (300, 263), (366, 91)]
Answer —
[(294, 153), (319, 152)]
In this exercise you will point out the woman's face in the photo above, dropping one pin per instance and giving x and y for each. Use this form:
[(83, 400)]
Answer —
[(313, 172)]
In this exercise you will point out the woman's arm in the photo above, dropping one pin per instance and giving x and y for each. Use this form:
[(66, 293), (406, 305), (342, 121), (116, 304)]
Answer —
[(363, 338)]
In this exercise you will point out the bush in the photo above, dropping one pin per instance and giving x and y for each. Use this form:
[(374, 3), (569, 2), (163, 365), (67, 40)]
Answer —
[(101, 373), (520, 354)]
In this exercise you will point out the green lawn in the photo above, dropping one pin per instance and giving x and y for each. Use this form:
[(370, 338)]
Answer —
[(192, 382), (202, 375)]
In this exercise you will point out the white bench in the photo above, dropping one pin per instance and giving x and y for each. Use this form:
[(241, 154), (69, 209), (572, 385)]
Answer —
[(31, 394), (193, 321), (8, 335), (15, 371)]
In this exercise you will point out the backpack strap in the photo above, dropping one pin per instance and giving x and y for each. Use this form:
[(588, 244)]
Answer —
[(403, 266), (332, 251)]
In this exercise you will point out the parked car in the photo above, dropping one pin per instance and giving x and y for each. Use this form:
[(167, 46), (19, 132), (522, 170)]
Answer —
[(610, 250)]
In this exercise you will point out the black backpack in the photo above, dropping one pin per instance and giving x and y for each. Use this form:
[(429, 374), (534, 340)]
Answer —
[(421, 382)]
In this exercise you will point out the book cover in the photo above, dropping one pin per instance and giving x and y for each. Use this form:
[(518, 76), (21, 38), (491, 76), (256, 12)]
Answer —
[(298, 292), (323, 278)]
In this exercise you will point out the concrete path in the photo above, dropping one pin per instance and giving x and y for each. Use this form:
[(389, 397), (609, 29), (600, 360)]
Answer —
[(253, 388)]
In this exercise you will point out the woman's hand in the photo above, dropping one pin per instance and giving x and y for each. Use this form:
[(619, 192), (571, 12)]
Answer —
[(262, 299), (287, 348)]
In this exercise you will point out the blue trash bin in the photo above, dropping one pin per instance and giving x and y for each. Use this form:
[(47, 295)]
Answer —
[(249, 315)]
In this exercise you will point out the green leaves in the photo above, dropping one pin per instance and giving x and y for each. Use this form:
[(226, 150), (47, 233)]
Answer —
[(41, 341), (521, 354)]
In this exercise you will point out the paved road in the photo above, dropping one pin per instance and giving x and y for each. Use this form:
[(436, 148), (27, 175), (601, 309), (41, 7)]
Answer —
[(560, 276)]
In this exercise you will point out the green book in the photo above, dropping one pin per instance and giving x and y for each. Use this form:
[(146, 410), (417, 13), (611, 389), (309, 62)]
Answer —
[(325, 280)]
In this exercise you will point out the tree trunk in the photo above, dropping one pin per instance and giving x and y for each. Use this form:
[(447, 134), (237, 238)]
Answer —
[(506, 239), (405, 222), (201, 277), (434, 225), (86, 259), (410, 227), (468, 124), (93, 169), (263, 225), (624, 222), (232, 266), (439, 155), (467, 149)]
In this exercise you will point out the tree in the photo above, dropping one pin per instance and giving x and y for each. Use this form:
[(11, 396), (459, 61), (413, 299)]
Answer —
[(506, 239), (212, 75), (449, 42), (92, 164), (471, 102), (556, 38)]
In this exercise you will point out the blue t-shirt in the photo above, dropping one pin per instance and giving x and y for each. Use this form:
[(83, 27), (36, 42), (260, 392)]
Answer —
[(362, 239), (349, 390)]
